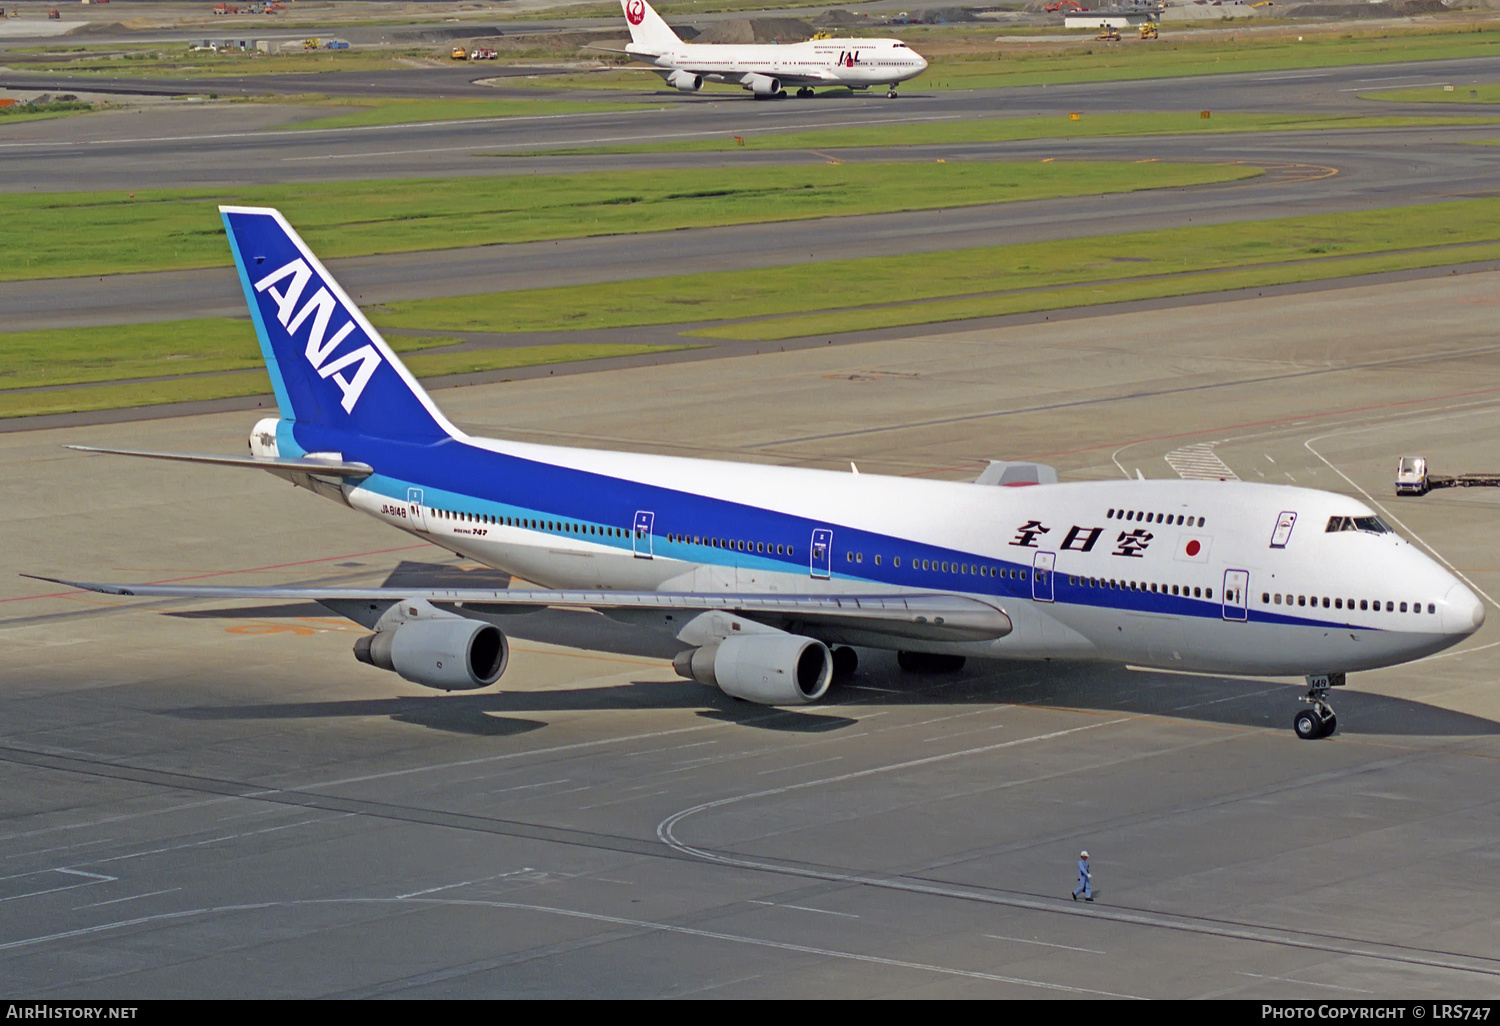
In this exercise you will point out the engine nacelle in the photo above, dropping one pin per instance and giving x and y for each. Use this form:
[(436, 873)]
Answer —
[(686, 81), (762, 85), (452, 654), (771, 669)]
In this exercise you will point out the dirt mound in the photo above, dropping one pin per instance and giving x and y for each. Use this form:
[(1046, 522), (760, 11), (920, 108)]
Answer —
[(756, 30), (837, 16)]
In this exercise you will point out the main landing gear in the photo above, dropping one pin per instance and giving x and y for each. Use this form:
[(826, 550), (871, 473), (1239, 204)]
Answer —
[(1318, 720), (891, 93), (804, 93)]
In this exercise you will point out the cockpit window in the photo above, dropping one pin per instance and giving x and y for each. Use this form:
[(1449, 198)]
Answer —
[(1374, 525)]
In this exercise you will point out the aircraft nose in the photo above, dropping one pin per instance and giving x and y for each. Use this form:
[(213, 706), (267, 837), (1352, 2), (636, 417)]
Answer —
[(923, 61), (1463, 612)]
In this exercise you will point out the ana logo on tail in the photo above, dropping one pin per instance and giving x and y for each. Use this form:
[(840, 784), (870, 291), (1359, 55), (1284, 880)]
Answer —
[(635, 12), (320, 308)]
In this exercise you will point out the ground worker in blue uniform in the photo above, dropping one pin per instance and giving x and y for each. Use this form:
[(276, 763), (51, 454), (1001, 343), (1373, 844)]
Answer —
[(1085, 881)]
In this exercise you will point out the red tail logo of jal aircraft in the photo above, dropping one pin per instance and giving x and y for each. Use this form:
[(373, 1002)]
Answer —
[(635, 12)]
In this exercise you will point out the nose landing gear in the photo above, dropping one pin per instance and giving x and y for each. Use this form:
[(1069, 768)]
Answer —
[(1318, 720)]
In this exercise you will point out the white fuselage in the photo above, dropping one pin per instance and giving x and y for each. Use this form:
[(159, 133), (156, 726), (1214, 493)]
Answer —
[(1179, 574), (858, 63)]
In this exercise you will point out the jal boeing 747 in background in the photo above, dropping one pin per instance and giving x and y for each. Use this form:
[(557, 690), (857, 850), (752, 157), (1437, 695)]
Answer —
[(768, 575), (767, 69)]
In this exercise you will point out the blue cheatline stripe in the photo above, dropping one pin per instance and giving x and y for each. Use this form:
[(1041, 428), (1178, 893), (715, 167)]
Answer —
[(278, 385), (463, 478)]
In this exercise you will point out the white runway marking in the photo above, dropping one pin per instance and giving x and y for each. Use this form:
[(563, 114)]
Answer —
[(1306, 983), (133, 897), (805, 908), (1199, 462), (1045, 944)]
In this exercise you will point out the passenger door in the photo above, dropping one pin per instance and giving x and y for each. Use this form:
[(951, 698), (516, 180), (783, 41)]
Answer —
[(1041, 576), (414, 508), (640, 535), (820, 561), (1236, 585)]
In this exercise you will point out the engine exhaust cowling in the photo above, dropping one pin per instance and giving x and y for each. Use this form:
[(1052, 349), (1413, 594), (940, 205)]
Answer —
[(449, 654), (762, 85), (685, 81), (769, 669)]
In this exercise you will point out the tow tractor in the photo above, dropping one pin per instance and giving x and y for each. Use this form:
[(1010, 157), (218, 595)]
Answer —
[(1412, 478)]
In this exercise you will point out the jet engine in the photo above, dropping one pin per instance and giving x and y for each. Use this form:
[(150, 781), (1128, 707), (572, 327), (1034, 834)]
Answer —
[(762, 85), (771, 669), (685, 81), (452, 654)]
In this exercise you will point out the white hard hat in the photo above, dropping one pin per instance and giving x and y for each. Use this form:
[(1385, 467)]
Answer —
[(1083, 854)]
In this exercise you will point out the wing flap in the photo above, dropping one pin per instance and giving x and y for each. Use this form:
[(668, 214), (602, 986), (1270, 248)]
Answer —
[(934, 616)]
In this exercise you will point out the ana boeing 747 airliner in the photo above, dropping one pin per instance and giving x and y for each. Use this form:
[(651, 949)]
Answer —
[(766, 68), (768, 574)]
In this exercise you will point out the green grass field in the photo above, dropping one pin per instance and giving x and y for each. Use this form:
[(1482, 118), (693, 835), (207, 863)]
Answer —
[(76, 233), (1483, 92), (215, 358), (1011, 129), (1306, 247)]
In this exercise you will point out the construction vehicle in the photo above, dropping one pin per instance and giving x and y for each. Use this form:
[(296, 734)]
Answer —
[(1109, 34), (1148, 30), (1064, 5), (459, 54), (1412, 478), (54, 15)]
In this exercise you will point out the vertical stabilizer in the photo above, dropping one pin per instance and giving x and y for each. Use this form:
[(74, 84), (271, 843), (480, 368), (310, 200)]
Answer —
[(648, 33), (329, 366)]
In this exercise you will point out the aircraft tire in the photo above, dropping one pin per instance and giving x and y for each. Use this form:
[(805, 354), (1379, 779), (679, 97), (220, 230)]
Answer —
[(1308, 725)]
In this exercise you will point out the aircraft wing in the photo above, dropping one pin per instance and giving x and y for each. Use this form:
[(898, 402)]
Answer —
[(932, 617), (280, 466)]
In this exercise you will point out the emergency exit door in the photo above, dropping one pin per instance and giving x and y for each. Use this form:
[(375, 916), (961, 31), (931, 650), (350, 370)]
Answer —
[(1236, 584)]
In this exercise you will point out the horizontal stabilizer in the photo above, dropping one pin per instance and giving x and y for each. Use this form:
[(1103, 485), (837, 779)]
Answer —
[(937, 617), (281, 466)]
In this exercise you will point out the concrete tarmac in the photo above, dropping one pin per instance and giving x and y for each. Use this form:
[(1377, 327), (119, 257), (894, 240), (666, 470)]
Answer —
[(201, 800)]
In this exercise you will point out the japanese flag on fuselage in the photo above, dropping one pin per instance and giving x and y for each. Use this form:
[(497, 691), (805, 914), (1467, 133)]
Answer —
[(1193, 548)]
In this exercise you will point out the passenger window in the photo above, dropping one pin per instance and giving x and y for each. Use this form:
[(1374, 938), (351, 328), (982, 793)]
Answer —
[(1197, 593), (1403, 607), (895, 560), (1338, 603), (1364, 604), (1390, 607), (859, 557), (1023, 575), (1208, 593), (1265, 598), (1431, 607), (1278, 598)]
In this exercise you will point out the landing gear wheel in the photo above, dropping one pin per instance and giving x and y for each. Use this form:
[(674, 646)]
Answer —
[(891, 95), (1318, 720), (845, 662), (1308, 725), (804, 93)]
